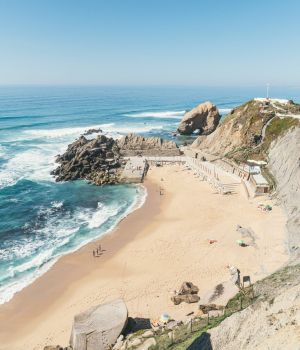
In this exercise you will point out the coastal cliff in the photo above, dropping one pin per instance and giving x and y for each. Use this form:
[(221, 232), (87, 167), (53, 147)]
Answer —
[(284, 163), (249, 129)]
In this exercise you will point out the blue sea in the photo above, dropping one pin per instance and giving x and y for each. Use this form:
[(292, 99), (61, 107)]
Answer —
[(41, 220)]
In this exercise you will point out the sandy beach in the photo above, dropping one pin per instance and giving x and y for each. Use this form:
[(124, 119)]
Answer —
[(147, 257)]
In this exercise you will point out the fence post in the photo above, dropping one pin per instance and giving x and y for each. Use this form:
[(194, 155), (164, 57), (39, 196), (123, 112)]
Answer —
[(241, 302), (208, 318)]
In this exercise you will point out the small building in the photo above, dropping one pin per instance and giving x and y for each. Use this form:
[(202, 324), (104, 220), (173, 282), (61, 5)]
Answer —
[(260, 184)]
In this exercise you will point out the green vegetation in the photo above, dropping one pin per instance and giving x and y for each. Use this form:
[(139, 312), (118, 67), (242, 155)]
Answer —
[(279, 126)]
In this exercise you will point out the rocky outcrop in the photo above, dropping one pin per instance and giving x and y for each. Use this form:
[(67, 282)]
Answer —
[(204, 119), (187, 293), (246, 133), (100, 160), (135, 145), (99, 327), (96, 160), (284, 162), (92, 131)]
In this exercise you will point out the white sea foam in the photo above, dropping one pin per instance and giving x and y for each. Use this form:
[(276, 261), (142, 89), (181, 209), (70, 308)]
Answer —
[(9, 290), (162, 114), (33, 164), (46, 259), (68, 134), (225, 110), (102, 215), (56, 204), (2, 151)]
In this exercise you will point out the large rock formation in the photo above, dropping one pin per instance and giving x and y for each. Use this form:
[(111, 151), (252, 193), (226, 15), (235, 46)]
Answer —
[(96, 160), (204, 118), (249, 129), (99, 327), (284, 162), (187, 293), (135, 145), (100, 160)]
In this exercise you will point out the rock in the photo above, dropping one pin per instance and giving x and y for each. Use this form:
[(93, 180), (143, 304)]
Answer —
[(210, 307), (90, 160), (187, 298), (205, 118), (187, 293), (100, 160), (147, 334), (99, 327), (135, 145), (135, 342), (188, 288), (173, 324), (284, 162), (92, 131), (147, 344)]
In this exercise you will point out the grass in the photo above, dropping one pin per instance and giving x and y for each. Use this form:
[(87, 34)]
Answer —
[(278, 127)]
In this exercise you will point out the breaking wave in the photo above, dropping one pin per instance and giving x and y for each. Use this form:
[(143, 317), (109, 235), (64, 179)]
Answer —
[(163, 114)]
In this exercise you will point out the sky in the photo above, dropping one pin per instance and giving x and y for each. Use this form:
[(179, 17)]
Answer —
[(150, 42)]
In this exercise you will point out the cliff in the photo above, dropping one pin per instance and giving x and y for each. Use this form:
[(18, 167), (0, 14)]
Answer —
[(249, 129), (284, 162)]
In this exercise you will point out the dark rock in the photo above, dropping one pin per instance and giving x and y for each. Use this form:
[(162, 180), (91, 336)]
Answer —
[(92, 131), (187, 293), (210, 307), (187, 298), (188, 288), (84, 159)]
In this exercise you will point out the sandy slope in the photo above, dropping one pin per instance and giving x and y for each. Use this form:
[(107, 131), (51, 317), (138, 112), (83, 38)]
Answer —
[(150, 254)]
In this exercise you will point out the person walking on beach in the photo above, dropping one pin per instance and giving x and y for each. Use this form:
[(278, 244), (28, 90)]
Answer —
[(93, 253)]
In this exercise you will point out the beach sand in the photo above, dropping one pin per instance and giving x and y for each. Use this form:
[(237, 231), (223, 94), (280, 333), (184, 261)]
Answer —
[(147, 257)]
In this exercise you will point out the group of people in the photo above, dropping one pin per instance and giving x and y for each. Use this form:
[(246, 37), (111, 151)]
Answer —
[(98, 251)]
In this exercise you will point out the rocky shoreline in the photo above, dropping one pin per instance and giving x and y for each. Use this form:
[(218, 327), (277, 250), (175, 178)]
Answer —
[(102, 160)]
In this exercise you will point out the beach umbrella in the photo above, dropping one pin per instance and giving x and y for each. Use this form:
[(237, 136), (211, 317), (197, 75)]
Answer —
[(164, 318)]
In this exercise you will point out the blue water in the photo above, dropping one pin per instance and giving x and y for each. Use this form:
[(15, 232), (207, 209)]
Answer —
[(40, 220)]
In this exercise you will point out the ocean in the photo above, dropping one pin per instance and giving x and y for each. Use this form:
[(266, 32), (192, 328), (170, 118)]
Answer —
[(41, 220)]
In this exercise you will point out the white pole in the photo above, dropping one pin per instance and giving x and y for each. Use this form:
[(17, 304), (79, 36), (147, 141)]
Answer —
[(268, 85)]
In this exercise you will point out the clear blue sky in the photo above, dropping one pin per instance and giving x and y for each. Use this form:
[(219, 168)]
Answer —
[(141, 42)]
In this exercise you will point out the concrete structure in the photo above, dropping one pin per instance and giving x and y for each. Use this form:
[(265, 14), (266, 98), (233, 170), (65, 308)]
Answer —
[(260, 184), (222, 181), (99, 327), (135, 170)]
